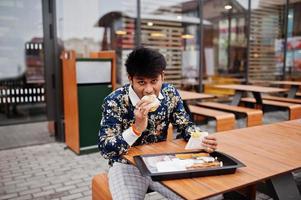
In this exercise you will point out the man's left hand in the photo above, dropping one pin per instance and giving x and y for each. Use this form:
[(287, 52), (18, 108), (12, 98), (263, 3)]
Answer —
[(210, 143)]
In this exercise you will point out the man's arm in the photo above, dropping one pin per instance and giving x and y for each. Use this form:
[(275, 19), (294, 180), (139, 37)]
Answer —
[(110, 137), (180, 118)]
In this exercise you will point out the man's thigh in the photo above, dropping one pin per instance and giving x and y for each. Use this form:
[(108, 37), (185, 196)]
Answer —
[(126, 182)]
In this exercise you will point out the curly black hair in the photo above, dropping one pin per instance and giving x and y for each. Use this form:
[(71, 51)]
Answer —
[(145, 62)]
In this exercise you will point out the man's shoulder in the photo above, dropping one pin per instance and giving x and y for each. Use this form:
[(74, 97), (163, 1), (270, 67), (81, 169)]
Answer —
[(118, 93), (169, 89)]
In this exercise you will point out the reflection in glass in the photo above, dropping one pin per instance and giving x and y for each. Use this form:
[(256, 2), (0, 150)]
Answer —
[(171, 27), (21, 62), (293, 54), (225, 37), (98, 25)]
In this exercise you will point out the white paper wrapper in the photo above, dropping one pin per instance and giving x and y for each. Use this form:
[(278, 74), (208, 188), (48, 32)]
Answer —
[(196, 142)]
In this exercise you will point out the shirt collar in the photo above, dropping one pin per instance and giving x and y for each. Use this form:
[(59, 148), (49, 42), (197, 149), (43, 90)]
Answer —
[(134, 97)]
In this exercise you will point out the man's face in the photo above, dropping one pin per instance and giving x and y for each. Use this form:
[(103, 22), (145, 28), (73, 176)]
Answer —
[(146, 86)]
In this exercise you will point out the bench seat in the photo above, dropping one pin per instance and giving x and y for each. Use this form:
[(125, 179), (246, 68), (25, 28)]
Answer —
[(224, 121), (254, 116), (100, 187), (294, 109), (283, 99)]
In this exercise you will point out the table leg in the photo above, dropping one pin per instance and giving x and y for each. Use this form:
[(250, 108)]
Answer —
[(257, 96), (236, 98), (292, 92), (283, 187)]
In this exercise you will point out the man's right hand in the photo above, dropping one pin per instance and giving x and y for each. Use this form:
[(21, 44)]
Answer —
[(141, 114)]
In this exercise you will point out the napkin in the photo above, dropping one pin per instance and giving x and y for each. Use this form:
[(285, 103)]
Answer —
[(195, 141)]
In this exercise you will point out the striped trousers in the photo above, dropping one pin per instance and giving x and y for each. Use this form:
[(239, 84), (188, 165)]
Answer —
[(127, 183)]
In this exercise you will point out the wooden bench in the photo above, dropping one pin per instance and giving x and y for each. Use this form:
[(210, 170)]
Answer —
[(283, 99), (254, 116), (224, 121), (294, 109), (100, 187)]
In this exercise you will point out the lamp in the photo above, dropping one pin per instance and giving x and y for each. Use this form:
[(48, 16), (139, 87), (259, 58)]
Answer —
[(228, 5), (120, 32)]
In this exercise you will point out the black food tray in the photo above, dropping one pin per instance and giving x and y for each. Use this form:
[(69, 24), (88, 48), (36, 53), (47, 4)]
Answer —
[(230, 165)]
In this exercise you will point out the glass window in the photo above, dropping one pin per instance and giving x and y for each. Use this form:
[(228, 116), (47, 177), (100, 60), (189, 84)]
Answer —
[(293, 55), (225, 42), (98, 25), (266, 39), (22, 82), (172, 28), (227, 36)]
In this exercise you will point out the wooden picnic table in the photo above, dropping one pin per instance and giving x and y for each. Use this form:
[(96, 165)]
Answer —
[(188, 95), (270, 153), (294, 87), (256, 91)]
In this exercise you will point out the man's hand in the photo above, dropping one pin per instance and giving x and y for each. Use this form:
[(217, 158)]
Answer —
[(141, 114), (210, 143)]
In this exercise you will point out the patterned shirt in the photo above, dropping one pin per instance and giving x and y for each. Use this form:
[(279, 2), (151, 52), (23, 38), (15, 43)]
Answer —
[(118, 116)]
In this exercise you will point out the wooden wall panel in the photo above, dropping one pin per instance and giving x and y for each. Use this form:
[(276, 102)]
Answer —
[(266, 26), (70, 101), (169, 43)]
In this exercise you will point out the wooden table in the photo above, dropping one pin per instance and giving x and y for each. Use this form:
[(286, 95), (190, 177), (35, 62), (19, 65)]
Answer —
[(188, 95), (293, 89), (256, 91), (270, 152)]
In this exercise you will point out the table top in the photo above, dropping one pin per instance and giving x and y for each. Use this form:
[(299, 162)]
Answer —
[(251, 88), (286, 82), (188, 95), (265, 150)]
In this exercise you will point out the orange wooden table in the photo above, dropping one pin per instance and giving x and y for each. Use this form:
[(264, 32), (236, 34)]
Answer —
[(294, 87), (256, 90), (270, 152), (188, 95)]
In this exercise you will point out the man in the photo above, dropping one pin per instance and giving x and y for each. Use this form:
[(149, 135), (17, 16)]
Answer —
[(129, 120)]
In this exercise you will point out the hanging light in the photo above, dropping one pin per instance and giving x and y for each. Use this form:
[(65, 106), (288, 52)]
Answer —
[(187, 36), (228, 6), (157, 34), (120, 32), (150, 23), (179, 17)]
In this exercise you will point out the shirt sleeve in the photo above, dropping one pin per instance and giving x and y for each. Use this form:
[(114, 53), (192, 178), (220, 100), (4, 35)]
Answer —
[(111, 142), (129, 136)]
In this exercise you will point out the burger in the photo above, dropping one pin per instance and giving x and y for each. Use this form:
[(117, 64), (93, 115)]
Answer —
[(155, 103)]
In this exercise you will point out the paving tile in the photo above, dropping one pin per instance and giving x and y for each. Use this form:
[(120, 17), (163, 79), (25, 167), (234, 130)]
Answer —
[(44, 193), (8, 196), (25, 197), (31, 191), (72, 196)]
